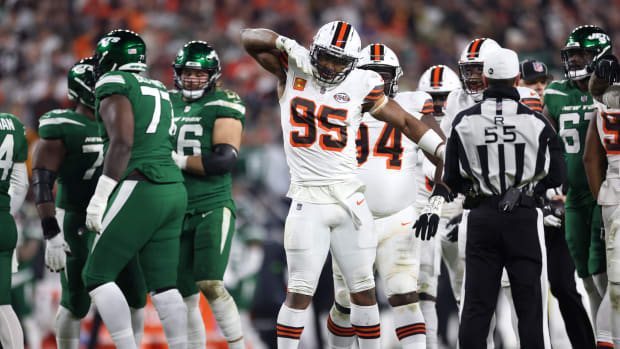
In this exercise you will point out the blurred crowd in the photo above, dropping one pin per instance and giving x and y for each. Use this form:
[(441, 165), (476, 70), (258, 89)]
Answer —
[(41, 39)]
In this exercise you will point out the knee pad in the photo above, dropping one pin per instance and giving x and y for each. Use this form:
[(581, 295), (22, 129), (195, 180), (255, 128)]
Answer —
[(362, 282), (400, 283), (213, 289), (341, 292), (169, 303), (614, 296)]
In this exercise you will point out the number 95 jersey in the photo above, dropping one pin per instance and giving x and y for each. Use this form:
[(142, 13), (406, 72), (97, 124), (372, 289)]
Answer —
[(387, 160), (319, 124)]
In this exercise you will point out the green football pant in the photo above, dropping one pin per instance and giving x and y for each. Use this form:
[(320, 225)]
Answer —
[(141, 218), (8, 240), (75, 297), (205, 248), (583, 236)]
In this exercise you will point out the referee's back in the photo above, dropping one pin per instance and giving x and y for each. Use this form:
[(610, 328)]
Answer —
[(500, 153)]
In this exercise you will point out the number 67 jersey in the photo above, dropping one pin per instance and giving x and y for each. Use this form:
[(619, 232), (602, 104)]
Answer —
[(319, 125)]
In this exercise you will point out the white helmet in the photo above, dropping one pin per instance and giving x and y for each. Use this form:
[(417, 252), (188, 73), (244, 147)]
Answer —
[(339, 42), (439, 79), (381, 59), (473, 58)]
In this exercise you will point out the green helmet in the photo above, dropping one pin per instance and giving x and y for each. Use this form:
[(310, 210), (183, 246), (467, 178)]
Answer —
[(80, 81), (196, 55), (585, 38), (120, 49)]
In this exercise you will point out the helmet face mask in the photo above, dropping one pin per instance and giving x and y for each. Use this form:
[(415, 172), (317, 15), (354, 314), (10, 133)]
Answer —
[(81, 82), (381, 59), (119, 49), (439, 102), (583, 48), (471, 75), (334, 52), (196, 69)]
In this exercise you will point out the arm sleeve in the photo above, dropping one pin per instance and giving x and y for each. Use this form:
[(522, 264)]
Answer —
[(451, 175), (18, 187), (557, 166)]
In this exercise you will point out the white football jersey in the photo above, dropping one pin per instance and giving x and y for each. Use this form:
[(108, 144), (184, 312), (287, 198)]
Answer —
[(387, 159), (608, 126), (459, 100), (319, 125)]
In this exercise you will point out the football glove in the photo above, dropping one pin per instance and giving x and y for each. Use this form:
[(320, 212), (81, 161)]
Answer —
[(180, 160), (607, 68), (296, 53), (56, 251), (98, 202)]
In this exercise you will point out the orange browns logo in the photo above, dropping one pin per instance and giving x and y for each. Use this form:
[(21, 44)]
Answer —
[(299, 84)]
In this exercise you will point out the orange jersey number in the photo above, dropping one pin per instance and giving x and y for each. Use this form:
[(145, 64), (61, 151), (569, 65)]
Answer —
[(303, 113), (388, 145)]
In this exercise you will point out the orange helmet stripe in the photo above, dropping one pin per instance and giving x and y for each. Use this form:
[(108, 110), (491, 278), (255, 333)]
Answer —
[(342, 30), (475, 47)]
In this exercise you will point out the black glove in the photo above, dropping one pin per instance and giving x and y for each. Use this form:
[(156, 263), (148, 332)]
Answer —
[(453, 226), (607, 68), (426, 225)]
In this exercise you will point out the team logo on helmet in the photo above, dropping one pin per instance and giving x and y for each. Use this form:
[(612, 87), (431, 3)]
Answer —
[(538, 66), (105, 42)]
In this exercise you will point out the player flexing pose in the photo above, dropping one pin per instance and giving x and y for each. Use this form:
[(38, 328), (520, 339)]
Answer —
[(71, 151), (140, 192), (322, 98), (13, 188), (569, 106), (386, 164), (209, 125), (438, 81)]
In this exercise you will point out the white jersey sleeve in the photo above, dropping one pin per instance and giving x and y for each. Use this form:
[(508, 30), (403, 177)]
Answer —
[(387, 159)]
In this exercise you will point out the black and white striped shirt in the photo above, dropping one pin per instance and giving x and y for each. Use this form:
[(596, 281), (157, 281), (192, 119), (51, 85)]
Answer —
[(499, 143)]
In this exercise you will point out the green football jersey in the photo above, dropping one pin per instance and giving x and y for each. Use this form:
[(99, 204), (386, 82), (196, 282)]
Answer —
[(572, 110), (13, 148), (153, 124), (81, 166), (195, 121)]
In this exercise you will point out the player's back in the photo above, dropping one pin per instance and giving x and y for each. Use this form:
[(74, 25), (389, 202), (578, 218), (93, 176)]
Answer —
[(83, 157), (387, 160), (13, 148), (572, 111), (320, 125), (195, 121), (153, 124)]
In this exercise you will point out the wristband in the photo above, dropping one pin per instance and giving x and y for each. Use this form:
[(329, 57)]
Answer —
[(431, 143), (105, 187), (50, 227), (281, 43)]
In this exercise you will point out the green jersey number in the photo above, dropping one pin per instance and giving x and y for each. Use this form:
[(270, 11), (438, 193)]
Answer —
[(569, 132), (183, 142), (158, 95), (93, 148), (6, 156)]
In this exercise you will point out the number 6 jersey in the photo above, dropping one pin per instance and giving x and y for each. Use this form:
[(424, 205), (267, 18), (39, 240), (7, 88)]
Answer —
[(320, 124)]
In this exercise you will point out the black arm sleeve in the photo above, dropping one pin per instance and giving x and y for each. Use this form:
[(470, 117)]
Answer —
[(451, 173), (557, 166), (42, 184), (220, 161)]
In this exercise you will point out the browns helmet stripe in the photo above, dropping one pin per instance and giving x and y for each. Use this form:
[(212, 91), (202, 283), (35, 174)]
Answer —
[(377, 53), (474, 48), (342, 32), (437, 76)]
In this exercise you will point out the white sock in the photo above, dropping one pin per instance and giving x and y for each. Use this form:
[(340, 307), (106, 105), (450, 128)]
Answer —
[(600, 281), (11, 334), (67, 329), (114, 311), (365, 322), (603, 322), (594, 297), (614, 293), (196, 334), (430, 319), (227, 316), (410, 326), (137, 324), (340, 333), (289, 327), (173, 316)]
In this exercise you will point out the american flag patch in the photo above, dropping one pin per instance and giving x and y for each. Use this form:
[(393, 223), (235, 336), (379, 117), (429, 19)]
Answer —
[(132, 51)]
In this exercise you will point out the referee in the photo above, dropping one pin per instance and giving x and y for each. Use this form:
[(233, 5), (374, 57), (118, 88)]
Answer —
[(501, 153)]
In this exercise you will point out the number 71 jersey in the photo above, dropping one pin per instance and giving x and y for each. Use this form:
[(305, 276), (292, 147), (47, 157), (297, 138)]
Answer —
[(319, 125)]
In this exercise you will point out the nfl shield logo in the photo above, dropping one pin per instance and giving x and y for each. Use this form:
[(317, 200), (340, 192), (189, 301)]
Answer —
[(584, 98), (538, 67)]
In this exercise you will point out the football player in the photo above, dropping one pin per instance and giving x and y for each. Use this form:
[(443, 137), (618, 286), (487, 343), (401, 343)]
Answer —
[(438, 81), (322, 98), (570, 107), (71, 152), (13, 188), (139, 201), (386, 164), (209, 123)]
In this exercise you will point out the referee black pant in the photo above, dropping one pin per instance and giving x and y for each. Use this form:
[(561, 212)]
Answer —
[(496, 240), (561, 273)]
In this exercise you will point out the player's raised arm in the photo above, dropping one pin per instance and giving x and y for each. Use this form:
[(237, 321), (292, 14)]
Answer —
[(261, 45)]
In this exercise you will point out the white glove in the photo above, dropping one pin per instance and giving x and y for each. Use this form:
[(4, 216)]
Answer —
[(180, 160), (56, 253), (296, 53), (99, 201), (552, 221)]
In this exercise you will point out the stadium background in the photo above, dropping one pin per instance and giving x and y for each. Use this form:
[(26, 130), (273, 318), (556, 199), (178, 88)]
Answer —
[(41, 39)]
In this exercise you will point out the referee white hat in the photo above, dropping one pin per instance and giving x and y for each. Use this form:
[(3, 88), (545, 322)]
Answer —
[(501, 63)]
